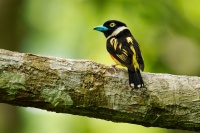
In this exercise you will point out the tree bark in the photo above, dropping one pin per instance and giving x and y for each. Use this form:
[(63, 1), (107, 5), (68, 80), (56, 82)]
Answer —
[(86, 88)]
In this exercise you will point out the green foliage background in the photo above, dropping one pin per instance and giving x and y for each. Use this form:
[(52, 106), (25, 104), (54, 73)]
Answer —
[(168, 33)]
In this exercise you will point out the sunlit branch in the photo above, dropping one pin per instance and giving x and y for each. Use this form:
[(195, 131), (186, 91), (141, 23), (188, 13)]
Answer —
[(91, 89)]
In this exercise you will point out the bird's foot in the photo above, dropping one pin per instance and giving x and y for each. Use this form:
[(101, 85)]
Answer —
[(114, 65)]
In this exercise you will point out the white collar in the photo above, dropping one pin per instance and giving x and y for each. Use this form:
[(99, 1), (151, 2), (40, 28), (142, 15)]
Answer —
[(117, 31)]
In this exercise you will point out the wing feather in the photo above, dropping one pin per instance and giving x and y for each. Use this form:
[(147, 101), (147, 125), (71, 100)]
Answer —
[(126, 51)]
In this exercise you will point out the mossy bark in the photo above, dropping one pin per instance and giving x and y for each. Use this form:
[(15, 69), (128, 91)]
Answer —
[(91, 89)]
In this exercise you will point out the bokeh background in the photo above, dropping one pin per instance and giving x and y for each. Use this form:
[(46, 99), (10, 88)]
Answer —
[(168, 33)]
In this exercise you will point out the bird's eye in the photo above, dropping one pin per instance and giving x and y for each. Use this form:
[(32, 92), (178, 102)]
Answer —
[(112, 24)]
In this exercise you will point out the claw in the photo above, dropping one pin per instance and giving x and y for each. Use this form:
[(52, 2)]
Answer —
[(114, 65)]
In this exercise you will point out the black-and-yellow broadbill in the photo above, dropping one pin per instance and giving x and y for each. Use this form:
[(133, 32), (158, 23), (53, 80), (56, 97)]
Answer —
[(124, 50)]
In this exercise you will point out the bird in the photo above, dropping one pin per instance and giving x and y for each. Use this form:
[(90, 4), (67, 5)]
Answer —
[(124, 50)]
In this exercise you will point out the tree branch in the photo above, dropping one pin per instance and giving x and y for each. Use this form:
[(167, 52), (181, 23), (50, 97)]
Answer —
[(91, 89)]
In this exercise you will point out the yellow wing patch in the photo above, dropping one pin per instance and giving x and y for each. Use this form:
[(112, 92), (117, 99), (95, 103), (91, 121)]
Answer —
[(135, 63), (125, 52), (122, 56), (120, 46), (129, 40), (114, 43)]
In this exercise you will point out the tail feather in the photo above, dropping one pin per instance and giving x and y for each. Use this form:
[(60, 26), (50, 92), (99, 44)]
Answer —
[(135, 79)]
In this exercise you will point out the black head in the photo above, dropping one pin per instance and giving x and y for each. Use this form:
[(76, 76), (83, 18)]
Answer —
[(109, 27)]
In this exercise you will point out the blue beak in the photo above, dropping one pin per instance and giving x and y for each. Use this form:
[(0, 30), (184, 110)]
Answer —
[(101, 28)]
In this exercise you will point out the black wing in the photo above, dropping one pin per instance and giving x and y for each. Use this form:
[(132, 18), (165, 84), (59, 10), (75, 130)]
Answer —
[(126, 51), (139, 57)]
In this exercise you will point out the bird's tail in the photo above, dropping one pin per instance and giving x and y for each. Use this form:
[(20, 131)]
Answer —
[(135, 79)]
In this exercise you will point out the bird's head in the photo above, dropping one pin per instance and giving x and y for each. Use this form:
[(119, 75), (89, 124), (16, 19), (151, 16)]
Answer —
[(111, 27)]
